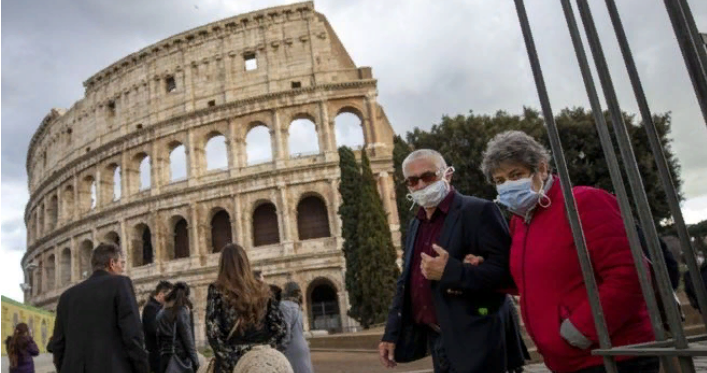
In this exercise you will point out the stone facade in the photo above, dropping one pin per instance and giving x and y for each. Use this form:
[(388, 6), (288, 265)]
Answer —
[(184, 91)]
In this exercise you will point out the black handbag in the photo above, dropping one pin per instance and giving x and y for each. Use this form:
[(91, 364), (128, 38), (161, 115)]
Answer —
[(412, 344), (176, 364)]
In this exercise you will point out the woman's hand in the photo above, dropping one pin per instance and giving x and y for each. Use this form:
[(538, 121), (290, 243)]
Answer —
[(473, 259)]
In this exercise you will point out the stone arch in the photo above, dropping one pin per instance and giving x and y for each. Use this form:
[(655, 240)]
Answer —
[(265, 224), (258, 144), (312, 217), (85, 251), (53, 211), (142, 249), (87, 193), (50, 272), (323, 305), (178, 246), (221, 231), (67, 202), (216, 152), (110, 183), (41, 221), (65, 267), (112, 237), (302, 136), (178, 167), (140, 173), (349, 127)]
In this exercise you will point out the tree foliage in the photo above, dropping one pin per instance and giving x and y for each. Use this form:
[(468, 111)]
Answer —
[(401, 149), (371, 271), (462, 139)]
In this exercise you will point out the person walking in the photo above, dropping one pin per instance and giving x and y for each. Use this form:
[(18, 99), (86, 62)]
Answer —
[(97, 326), (554, 303), (240, 311), (441, 304), (295, 345), (175, 339), (20, 349), (149, 322)]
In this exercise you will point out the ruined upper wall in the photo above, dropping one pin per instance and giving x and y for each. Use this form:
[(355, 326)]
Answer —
[(293, 47)]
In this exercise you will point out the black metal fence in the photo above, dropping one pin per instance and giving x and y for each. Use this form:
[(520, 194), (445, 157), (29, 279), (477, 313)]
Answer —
[(670, 343)]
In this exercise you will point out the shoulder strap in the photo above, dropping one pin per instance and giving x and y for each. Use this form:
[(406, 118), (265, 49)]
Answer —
[(233, 330)]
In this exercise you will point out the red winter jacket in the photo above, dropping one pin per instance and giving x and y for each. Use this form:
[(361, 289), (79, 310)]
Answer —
[(546, 269)]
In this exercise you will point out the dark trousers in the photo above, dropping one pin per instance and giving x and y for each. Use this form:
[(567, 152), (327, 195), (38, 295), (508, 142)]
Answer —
[(635, 365), (440, 361)]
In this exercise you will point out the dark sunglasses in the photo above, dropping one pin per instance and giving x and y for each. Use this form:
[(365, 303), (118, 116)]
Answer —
[(426, 177)]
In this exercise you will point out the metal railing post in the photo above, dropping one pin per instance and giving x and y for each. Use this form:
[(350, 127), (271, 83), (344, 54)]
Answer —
[(570, 203)]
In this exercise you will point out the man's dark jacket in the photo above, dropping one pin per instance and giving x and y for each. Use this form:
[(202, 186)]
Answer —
[(149, 327), (473, 323), (98, 329)]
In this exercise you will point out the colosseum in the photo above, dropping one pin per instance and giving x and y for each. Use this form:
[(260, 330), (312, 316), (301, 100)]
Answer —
[(103, 170)]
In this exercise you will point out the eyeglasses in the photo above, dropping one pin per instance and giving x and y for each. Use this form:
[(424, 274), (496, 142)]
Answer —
[(426, 177)]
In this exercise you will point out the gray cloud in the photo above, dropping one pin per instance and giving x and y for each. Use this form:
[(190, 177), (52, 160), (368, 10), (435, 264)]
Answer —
[(431, 58)]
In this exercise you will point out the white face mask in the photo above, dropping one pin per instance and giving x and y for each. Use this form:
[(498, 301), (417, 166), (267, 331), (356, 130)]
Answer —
[(433, 194)]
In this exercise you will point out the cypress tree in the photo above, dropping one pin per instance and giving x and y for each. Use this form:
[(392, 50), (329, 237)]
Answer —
[(375, 267), (401, 149), (350, 189)]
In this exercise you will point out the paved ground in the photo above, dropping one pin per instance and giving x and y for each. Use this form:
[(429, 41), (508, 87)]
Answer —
[(345, 362)]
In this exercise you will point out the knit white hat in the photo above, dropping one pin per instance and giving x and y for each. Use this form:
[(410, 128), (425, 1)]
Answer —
[(263, 359)]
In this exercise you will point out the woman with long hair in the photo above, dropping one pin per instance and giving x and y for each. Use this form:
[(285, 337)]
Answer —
[(296, 347), (175, 338), (20, 349), (240, 312)]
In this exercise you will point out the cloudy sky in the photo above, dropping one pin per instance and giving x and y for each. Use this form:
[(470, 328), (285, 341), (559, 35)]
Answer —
[(431, 58)]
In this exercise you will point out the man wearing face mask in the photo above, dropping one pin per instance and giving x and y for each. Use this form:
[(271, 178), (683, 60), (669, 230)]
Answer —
[(544, 264), (441, 304)]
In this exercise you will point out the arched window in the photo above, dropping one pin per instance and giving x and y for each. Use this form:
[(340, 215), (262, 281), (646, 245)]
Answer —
[(220, 231), (41, 220), (323, 306), (349, 130), (216, 153), (140, 173), (50, 272), (258, 145), (112, 237), (117, 189), (85, 252), (312, 218), (65, 266), (303, 139), (143, 252), (87, 194), (177, 163), (265, 227), (53, 211), (67, 202), (181, 239)]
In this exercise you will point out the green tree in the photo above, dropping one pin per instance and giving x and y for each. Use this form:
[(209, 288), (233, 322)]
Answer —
[(401, 149), (350, 190), (376, 270), (462, 139)]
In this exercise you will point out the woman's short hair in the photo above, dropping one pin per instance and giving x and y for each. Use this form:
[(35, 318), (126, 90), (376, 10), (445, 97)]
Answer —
[(513, 147)]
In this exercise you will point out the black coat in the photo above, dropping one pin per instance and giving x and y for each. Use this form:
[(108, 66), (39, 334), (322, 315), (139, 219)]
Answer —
[(473, 322), (149, 327), (97, 328), (184, 345)]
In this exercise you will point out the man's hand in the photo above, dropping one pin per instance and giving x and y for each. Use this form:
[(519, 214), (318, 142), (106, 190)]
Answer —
[(433, 268), (473, 259), (386, 353)]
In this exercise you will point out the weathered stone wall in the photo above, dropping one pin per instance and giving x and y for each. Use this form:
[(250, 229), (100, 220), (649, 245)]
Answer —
[(184, 91)]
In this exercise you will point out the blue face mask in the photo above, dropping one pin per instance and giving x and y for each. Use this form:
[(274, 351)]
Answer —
[(518, 195)]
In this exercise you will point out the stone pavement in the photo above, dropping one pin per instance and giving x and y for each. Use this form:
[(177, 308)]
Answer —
[(344, 362)]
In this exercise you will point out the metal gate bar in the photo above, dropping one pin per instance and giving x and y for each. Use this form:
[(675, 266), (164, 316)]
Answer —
[(570, 203), (617, 180), (696, 62), (657, 150), (695, 59)]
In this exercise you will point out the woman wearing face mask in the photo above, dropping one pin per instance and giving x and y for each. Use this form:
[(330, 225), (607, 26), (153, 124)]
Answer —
[(545, 267)]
